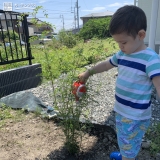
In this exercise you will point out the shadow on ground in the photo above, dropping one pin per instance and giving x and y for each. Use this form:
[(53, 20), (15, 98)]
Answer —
[(106, 142)]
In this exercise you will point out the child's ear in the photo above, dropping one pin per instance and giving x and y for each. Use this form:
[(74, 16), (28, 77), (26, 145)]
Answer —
[(142, 34)]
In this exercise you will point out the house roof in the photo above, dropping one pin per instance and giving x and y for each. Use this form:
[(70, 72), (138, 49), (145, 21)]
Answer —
[(100, 14), (30, 21)]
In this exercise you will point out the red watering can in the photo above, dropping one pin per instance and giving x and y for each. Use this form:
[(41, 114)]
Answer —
[(78, 89)]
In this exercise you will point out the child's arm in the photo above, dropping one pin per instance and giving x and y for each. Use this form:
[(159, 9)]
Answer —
[(101, 67), (156, 82)]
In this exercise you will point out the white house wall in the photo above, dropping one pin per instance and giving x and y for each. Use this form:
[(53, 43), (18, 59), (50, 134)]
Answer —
[(146, 5), (31, 31)]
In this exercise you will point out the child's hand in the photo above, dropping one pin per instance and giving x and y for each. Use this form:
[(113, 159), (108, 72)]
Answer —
[(83, 77)]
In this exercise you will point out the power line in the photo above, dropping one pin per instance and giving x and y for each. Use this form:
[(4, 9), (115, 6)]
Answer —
[(85, 4), (53, 18), (58, 10)]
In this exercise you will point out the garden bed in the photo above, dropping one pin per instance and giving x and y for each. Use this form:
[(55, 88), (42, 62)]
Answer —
[(33, 138)]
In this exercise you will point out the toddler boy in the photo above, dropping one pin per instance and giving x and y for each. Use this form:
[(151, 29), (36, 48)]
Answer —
[(138, 70)]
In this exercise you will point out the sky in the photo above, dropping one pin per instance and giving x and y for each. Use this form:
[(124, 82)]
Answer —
[(61, 12)]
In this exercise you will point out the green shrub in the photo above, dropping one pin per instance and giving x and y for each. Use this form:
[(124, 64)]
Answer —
[(95, 28), (67, 38), (55, 44)]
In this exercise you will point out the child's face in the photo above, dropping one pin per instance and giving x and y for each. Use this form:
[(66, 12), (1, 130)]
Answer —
[(128, 44)]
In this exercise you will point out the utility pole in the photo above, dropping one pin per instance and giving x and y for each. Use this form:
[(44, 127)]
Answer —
[(77, 14), (75, 17), (61, 16)]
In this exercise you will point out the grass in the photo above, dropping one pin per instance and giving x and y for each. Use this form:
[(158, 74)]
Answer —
[(7, 113)]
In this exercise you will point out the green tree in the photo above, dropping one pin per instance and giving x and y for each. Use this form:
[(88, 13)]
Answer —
[(97, 27)]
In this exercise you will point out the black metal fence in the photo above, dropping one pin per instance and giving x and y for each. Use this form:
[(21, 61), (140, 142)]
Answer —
[(14, 38)]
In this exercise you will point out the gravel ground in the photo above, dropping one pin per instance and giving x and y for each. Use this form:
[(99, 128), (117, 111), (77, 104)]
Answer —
[(105, 85)]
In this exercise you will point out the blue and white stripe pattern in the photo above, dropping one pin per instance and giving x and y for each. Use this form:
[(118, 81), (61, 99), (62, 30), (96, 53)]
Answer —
[(134, 82)]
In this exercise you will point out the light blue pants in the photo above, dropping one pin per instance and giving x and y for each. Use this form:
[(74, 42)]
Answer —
[(129, 134)]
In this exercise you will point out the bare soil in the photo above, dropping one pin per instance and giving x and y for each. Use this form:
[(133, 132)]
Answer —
[(34, 138)]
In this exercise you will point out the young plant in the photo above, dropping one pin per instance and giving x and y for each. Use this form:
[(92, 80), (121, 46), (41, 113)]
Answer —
[(70, 112)]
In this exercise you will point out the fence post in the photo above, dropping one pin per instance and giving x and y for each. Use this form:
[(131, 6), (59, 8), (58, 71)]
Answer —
[(27, 38)]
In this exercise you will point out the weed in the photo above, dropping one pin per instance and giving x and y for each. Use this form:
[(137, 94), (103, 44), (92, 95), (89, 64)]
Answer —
[(6, 113), (153, 134)]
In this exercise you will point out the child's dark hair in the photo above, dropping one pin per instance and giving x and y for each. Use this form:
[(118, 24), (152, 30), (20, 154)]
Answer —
[(130, 19)]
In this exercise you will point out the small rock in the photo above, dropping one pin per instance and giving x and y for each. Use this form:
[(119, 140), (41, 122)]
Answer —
[(105, 140), (111, 123), (110, 138), (28, 136), (116, 74), (158, 156), (146, 145)]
